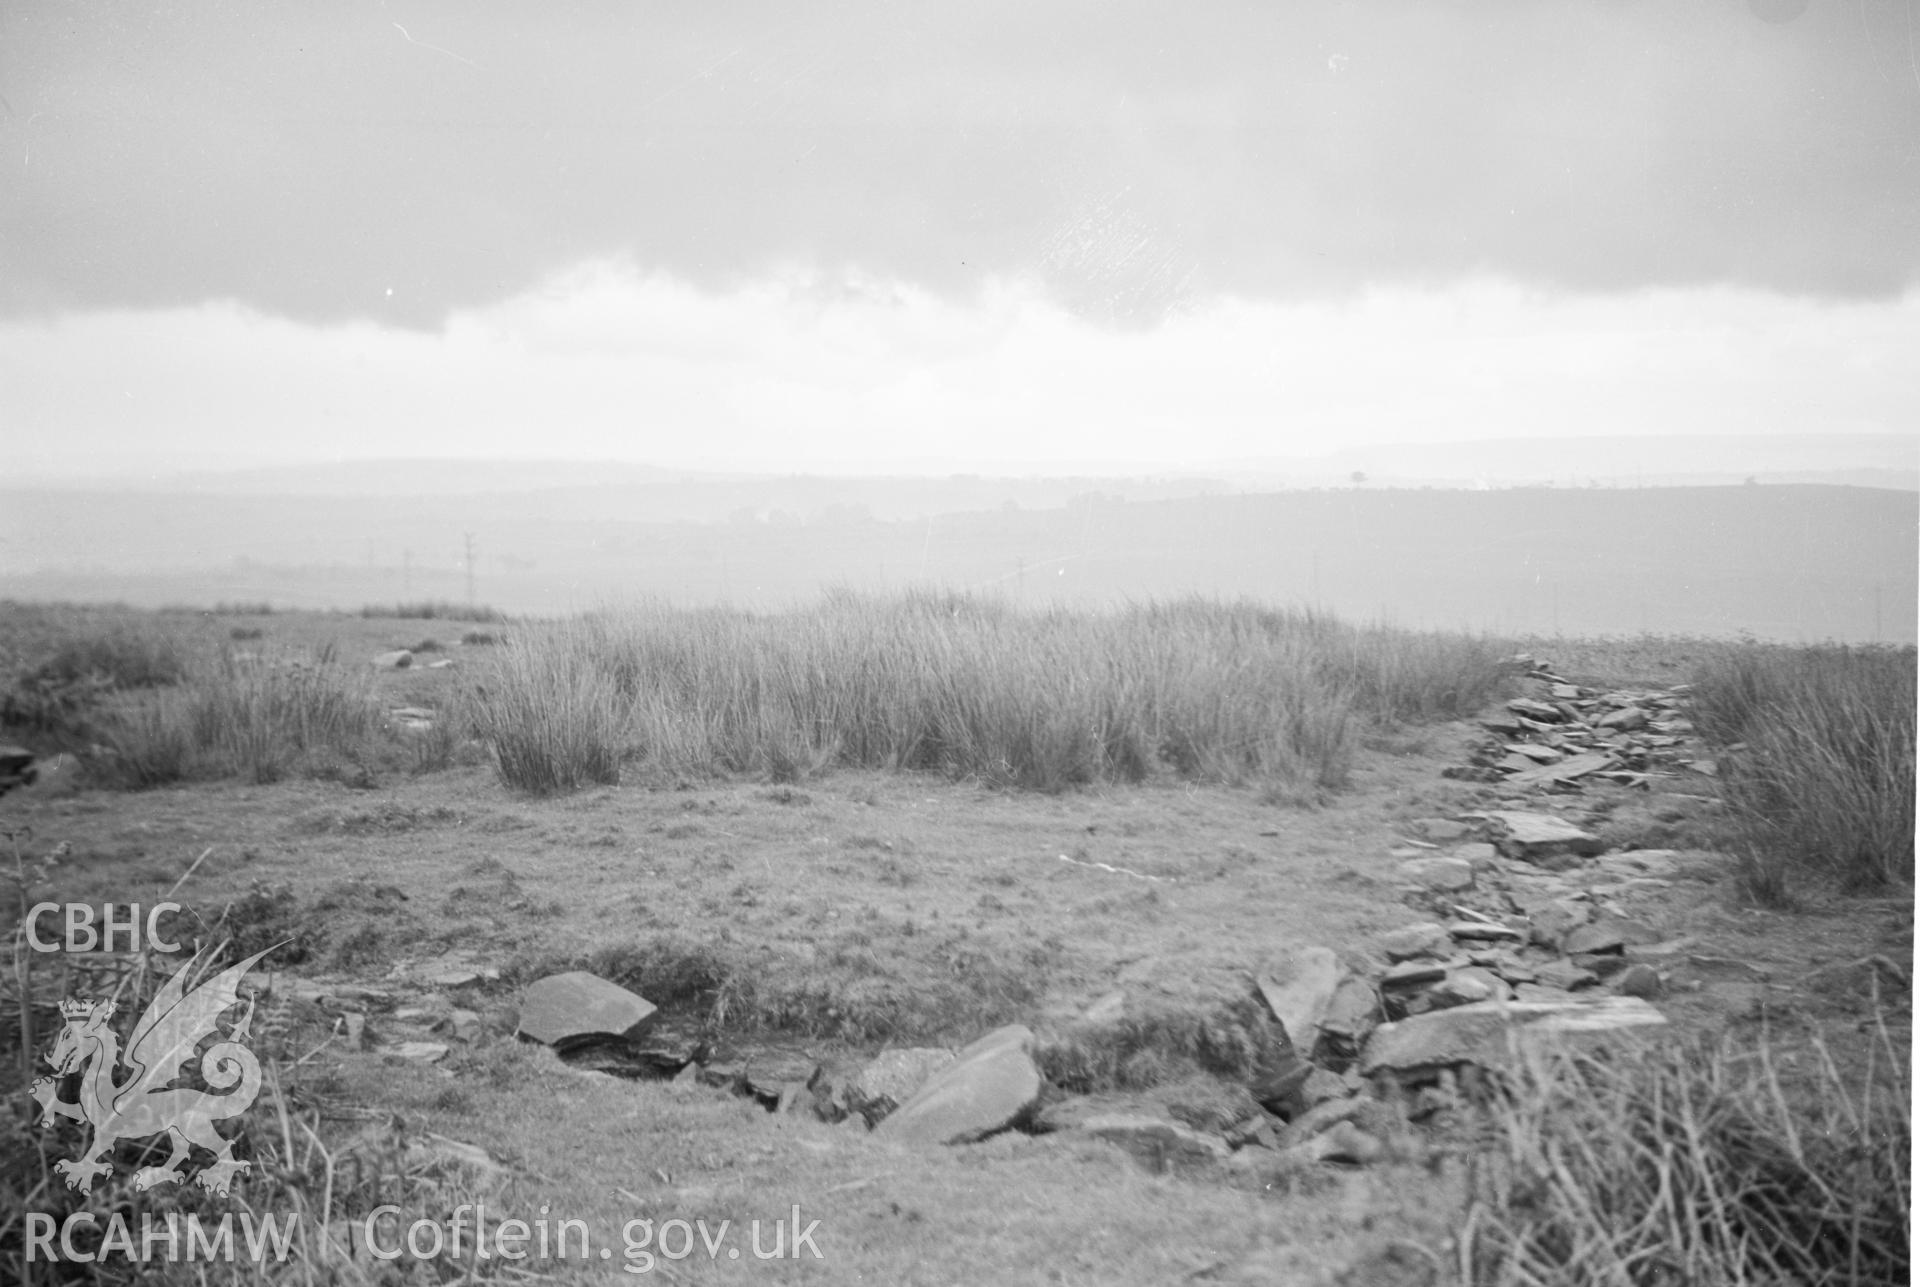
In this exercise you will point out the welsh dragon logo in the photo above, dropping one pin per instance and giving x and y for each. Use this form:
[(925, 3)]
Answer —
[(145, 1103)]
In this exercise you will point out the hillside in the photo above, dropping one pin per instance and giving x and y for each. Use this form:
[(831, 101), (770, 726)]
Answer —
[(1789, 562)]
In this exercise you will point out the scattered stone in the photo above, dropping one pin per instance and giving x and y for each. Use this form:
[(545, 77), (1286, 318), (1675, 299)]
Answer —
[(1319, 1087), (1299, 995), (1536, 752), (1158, 1146), (1424, 939), (1539, 711), (1538, 837), (453, 970), (1345, 1142), (1413, 974), (1568, 770), (1486, 1034), (1602, 965), (1353, 1013), (1552, 921), (1109, 1009), (1658, 863), (1482, 857), (1467, 986), (398, 659), (1441, 829), (1627, 719), (1486, 931), (990, 1086), (425, 1052), (568, 1009), (1442, 875), (463, 1025), (770, 1080), (1607, 934), (1640, 981), (892, 1078), (1278, 1078)]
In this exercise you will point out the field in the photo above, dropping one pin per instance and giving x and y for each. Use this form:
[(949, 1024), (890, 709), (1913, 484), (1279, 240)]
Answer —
[(878, 823)]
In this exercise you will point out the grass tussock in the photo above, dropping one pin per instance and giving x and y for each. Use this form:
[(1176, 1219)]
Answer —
[(968, 688), (229, 718), (52, 695), (1820, 777), (1697, 1165), (556, 721)]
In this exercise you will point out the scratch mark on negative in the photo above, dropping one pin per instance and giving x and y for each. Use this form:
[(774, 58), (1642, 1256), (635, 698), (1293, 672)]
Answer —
[(436, 49)]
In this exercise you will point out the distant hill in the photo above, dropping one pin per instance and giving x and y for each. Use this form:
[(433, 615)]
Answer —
[(1791, 562)]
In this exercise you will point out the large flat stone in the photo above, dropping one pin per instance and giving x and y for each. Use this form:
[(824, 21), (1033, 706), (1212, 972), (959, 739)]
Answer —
[(1537, 836), (568, 1009), (1567, 770), (1298, 992), (988, 1088), (1442, 874), (1488, 1033)]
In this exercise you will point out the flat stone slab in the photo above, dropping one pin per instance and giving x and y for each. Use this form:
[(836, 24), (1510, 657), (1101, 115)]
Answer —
[(1424, 939), (1299, 991), (1567, 770), (1444, 875), (1486, 932), (1533, 836), (988, 1088), (567, 1009), (1489, 1032), (398, 659), (1533, 710)]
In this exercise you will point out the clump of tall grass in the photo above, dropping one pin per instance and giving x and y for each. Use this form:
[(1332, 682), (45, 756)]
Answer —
[(231, 718), (54, 694), (1696, 1164), (555, 720), (1824, 780), (969, 688)]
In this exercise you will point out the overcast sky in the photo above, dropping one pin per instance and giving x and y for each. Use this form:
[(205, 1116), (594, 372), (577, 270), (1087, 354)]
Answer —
[(799, 235)]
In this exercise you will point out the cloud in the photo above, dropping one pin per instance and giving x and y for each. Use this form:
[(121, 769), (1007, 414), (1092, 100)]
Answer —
[(805, 370), (317, 163)]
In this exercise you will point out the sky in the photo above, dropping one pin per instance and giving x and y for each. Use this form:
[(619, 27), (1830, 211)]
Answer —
[(864, 235)]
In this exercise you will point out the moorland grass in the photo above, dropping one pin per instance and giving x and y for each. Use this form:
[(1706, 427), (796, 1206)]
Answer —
[(1742, 1161), (230, 718), (1816, 760), (969, 688)]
